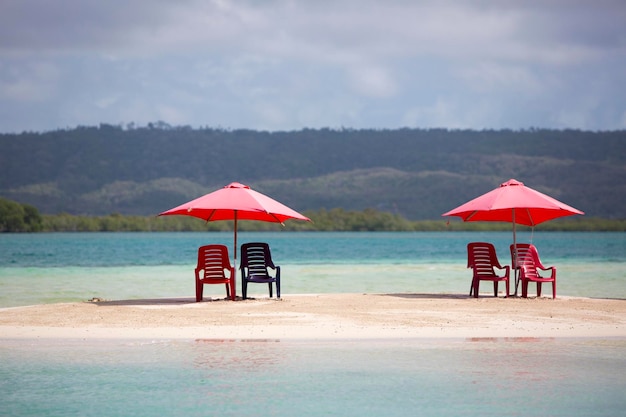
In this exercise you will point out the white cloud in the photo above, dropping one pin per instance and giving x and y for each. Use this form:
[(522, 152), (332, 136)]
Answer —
[(372, 82), (286, 64), (490, 77), (28, 81)]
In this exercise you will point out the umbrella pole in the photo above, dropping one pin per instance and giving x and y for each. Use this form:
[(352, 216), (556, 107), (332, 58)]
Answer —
[(234, 295), (515, 264)]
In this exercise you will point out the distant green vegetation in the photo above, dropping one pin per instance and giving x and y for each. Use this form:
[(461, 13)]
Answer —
[(15, 217), (416, 173), (337, 220)]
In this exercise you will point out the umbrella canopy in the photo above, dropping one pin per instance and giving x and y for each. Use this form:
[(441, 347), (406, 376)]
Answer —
[(515, 203), (236, 202)]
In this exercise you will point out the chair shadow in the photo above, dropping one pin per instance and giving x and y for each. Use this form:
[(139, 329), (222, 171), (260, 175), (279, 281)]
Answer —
[(190, 300), (428, 296), (467, 297), (174, 301), (152, 301)]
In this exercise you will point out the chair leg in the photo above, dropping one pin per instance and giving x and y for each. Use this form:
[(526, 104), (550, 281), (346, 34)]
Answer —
[(199, 291), (227, 290), (244, 289), (471, 287), (506, 284), (495, 288), (269, 284), (538, 289), (553, 290), (476, 286), (233, 290), (278, 286), (524, 289)]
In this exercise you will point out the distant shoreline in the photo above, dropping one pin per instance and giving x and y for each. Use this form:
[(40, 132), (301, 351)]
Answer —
[(374, 221), (19, 217)]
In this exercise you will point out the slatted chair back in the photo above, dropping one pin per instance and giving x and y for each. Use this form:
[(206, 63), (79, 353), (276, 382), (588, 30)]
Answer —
[(212, 267), (530, 272), (519, 253), (256, 261), (212, 260), (257, 258), (482, 258)]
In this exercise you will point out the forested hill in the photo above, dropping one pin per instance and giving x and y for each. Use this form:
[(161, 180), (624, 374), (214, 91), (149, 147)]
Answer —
[(418, 173)]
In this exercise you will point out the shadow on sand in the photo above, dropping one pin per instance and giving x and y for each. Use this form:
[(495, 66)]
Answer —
[(429, 296), (152, 301), (173, 301)]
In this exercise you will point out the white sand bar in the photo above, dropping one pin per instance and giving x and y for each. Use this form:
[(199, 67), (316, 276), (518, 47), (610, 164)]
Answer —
[(321, 316)]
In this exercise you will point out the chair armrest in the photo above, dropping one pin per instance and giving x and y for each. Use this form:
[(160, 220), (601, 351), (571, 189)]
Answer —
[(545, 268), (275, 268), (507, 269), (230, 269), (552, 268), (548, 268)]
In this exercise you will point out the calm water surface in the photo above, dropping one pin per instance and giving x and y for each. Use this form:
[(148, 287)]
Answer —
[(45, 268), (413, 377), (469, 377)]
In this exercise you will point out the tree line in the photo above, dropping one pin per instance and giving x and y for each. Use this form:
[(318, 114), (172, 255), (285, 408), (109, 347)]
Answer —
[(16, 217)]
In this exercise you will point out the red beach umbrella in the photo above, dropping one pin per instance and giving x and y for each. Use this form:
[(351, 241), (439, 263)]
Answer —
[(236, 202), (515, 203)]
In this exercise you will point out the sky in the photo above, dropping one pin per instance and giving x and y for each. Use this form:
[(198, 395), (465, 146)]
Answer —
[(281, 65)]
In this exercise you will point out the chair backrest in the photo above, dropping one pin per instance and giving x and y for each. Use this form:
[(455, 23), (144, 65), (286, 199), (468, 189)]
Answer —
[(256, 257), (213, 259), (481, 257), (530, 261), (523, 251)]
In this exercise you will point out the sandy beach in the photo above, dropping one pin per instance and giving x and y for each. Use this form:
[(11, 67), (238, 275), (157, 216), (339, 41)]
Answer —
[(321, 316)]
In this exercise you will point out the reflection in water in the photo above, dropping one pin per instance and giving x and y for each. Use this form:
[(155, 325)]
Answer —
[(514, 361), (235, 377), (235, 354)]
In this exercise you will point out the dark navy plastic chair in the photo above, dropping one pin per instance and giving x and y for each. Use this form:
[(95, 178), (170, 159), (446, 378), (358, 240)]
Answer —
[(256, 262)]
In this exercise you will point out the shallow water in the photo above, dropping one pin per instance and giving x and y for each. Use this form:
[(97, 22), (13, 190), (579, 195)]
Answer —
[(57, 267), (413, 377), (473, 377)]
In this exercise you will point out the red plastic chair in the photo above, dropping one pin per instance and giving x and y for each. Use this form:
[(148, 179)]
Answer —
[(256, 258), (213, 261), (530, 265), (481, 257)]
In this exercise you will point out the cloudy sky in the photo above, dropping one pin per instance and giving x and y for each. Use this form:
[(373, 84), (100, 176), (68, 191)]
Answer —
[(285, 65)]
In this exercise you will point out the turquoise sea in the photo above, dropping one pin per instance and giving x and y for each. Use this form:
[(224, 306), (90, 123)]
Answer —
[(60, 267), (412, 377)]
